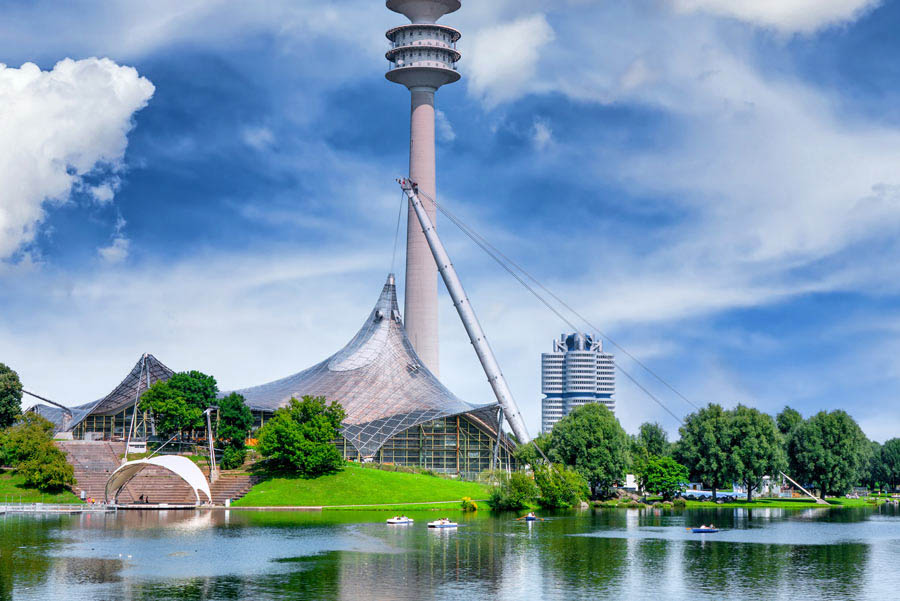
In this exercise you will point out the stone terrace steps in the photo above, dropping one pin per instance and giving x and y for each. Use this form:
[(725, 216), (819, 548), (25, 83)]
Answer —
[(93, 462), (232, 486)]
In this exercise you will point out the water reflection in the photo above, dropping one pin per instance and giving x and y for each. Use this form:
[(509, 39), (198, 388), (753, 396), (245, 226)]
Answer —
[(197, 555)]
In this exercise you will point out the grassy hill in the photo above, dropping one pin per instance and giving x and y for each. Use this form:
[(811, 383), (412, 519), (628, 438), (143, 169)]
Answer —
[(13, 490), (359, 486)]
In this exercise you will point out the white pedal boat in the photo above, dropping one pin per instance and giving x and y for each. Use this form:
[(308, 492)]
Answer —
[(400, 519), (442, 523)]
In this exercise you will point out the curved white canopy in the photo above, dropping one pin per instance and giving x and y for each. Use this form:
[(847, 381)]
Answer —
[(182, 467)]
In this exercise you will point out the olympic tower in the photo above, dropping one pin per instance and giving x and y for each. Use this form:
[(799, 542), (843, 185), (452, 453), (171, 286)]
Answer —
[(422, 57)]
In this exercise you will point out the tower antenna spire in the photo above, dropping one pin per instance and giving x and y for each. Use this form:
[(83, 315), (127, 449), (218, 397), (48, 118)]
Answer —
[(423, 58)]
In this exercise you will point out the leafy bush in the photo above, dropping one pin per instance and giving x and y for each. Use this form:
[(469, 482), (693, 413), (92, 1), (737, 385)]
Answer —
[(679, 503), (299, 437), (560, 486), (28, 447), (468, 504), (26, 439), (48, 470), (515, 491), (591, 440), (233, 457), (665, 476)]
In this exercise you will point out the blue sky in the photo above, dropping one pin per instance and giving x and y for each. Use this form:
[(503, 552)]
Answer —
[(715, 183)]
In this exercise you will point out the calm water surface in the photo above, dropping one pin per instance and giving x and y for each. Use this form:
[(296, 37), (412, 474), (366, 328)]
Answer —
[(608, 554)]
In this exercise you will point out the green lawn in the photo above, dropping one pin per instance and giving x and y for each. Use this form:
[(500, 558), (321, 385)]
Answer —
[(361, 486), (13, 490)]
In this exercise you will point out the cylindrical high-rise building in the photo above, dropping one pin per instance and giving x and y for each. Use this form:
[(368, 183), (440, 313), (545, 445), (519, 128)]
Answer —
[(422, 57)]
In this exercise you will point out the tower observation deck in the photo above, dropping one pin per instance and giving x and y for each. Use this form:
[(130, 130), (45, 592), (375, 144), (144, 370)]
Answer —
[(422, 57)]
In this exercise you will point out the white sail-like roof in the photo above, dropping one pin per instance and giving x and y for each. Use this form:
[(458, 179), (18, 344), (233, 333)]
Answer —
[(182, 467), (378, 379)]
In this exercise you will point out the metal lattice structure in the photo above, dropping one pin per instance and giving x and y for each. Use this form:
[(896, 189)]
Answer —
[(111, 415), (378, 379)]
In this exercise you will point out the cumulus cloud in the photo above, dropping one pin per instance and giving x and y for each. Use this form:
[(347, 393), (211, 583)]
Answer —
[(57, 126), (541, 134), (117, 250), (502, 60), (443, 126), (258, 138), (785, 15)]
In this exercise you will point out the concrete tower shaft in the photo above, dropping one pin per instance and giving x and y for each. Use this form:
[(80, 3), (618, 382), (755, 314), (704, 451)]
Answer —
[(422, 57)]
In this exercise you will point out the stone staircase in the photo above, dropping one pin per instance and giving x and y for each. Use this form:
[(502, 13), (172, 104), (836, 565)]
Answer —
[(231, 485), (93, 462)]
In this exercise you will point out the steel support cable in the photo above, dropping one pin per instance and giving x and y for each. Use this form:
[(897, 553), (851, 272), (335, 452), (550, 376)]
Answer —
[(471, 233), (486, 246), (397, 231)]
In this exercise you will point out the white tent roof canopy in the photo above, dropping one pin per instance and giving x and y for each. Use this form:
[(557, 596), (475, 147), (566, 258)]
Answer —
[(182, 467)]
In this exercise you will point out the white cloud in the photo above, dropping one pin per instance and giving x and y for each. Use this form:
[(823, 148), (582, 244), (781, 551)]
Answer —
[(258, 138), (55, 127), (502, 60), (443, 126), (785, 15), (541, 135), (117, 250)]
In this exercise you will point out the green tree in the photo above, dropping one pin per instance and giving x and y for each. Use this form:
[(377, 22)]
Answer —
[(651, 441), (705, 447), (591, 440), (235, 421), (560, 486), (198, 390), (48, 469), (787, 420), (300, 437), (24, 440), (528, 454), (757, 448), (653, 438), (514, 491), (28, 447), (169, 409), (827, 451), (890, 462), (10, 396), (874, 475), (665, 477)]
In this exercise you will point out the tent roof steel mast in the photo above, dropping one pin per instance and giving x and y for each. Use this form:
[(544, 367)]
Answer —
[(467, 314)]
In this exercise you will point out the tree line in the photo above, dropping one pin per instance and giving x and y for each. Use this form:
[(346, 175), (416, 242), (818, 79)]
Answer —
[(827, 452)]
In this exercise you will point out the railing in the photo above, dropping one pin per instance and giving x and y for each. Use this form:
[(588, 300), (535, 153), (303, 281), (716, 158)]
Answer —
[(54, 508), (426, 43), (441, 65)]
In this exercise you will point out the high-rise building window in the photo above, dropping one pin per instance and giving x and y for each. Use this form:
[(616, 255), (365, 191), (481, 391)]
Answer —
[(576, 372)]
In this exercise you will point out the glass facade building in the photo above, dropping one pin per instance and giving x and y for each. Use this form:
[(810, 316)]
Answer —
[(575, 373)]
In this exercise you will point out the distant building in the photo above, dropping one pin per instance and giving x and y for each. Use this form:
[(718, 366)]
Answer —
[(575, 373)]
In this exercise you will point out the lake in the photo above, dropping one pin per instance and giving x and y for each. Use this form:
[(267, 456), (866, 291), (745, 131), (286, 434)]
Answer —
[(607, 554)]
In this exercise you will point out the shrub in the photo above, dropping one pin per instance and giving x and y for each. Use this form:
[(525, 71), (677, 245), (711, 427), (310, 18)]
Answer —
[(233, 457), (560, 487), (515, 491), (47, 470), (299, 437), (679, 503), (468, 504)]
